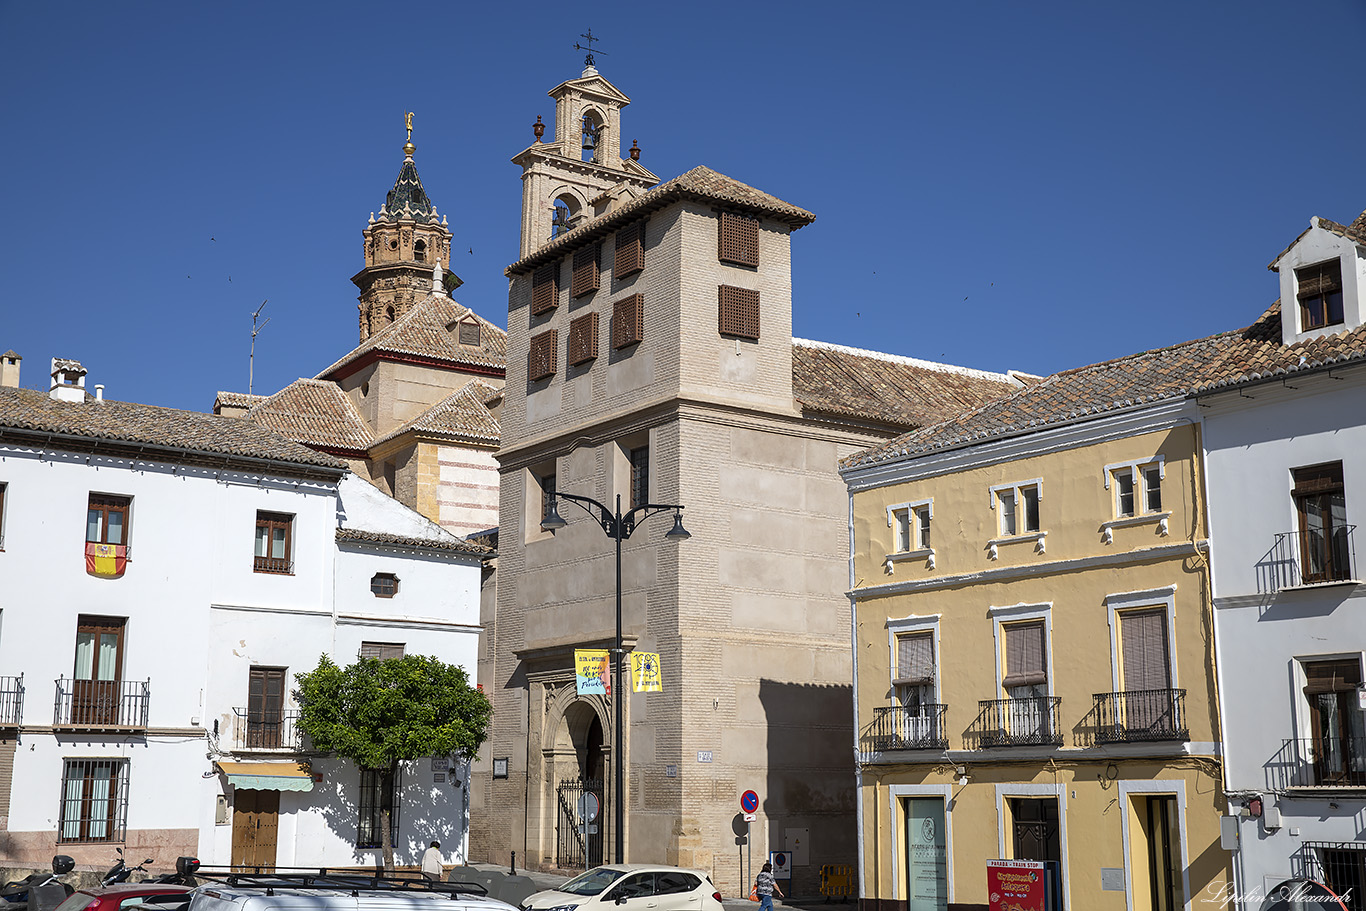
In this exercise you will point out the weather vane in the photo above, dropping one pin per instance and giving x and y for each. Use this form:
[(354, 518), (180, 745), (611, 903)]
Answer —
[(588, 58)]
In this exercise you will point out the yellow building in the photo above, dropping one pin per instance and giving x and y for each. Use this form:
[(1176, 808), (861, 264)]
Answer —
[(1034, 672)]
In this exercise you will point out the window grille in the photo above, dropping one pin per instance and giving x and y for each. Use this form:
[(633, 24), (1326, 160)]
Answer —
[(738, 312), (628, 321), (1341, 866), (738, 239), (547, 482), (629, 256), (583, 339), (545, 289), (640, 476), (94, 800), (376, 794), (585, 278), (541, 358)]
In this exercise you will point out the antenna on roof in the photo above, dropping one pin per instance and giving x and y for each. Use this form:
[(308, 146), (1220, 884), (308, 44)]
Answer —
[(251, 362), (588, 57)]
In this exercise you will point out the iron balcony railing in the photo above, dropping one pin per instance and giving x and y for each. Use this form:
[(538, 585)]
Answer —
[(1323, 762), (102, 703), (281, 565), (1141, 715), (11, 701), (1308, 557), (1027, 721), (899, 727), (273, 729)]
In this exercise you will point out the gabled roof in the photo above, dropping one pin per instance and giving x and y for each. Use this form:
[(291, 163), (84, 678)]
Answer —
[(316, 413), (1355, 232), (423, 333), (701, 183), (361, 536), (408, 199), (463, 415), (26, 413), (901, 391)]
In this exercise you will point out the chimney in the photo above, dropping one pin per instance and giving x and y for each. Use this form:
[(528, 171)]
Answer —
[(9, 369), (99, 392), (68, 381)]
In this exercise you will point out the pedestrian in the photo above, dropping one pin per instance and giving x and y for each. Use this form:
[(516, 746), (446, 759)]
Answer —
[(431, 863), (765, 886)]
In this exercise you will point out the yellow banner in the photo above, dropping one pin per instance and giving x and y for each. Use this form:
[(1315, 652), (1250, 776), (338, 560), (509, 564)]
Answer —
[(645, 672), (591, 667)]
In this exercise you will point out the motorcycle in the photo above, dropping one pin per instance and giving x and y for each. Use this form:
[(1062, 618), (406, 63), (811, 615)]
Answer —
[(120, 872), (185, 868), (16, 893)]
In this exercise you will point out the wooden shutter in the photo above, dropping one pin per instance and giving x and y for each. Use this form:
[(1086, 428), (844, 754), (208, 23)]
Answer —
[(915, 658), (469, 333), (738, 239), (1316, 280), (738, 312), (541, 358), (1331, 676), (1318, 479), (629, 255), (585, 277), (628, 320), (545, 289), (1025, 655), (583, 339), (1143, 639), (381, 650)]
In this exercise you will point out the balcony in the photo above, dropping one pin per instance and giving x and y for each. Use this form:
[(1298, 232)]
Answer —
[(1319, 762), (11, 701), (1029, 721), (901, 728), (279, 565), (1312, 557), (102, 704), (268, 731), (1141, 716)]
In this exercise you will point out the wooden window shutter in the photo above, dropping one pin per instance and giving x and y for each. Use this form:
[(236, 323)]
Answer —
[(738, 312), (583, 339), (545, 289), (629, 257), (1331, 676), (1143, 638), (915, 658), (469, 333), (1318, 479), (1025, 655), (541, 358), (738, 240), (585, 271), (628, 320), (1323, 278)]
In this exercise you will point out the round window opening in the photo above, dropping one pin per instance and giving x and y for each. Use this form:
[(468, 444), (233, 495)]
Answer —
[(393, 245), (384, 585)]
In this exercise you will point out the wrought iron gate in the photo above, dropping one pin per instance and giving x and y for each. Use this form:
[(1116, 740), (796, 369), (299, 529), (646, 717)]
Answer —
[(579, 839)]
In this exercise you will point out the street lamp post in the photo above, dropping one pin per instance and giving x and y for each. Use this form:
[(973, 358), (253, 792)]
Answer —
[(618, 527)]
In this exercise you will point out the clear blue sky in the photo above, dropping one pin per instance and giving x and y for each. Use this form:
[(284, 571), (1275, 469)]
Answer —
[(997, 184)]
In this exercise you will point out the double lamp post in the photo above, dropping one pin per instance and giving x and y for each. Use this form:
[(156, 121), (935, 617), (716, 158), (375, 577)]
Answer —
[(617, 527)]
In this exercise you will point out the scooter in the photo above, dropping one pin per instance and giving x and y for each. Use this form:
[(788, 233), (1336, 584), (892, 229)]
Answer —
[(120, 872), (185, 868), (16, 892)]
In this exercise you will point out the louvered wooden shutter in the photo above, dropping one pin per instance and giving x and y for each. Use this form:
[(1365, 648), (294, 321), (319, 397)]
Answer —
[(738, 312), (1331, 676), (545, 289), (1143, 637), (629, 256), (1318, 479), (1323, 278), (1025, 655), (541, 359), (628, 320), (915, 658), (738, 240), (585, 271), (583, 339)]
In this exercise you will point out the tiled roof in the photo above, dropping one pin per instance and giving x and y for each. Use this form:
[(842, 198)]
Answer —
[(237, 399), (408, 199), (700, 183), (362, 536), (1259, 353), (1356, 232), (462, 415), (422, 332), (25, 412), (316, 413), (901, 391)]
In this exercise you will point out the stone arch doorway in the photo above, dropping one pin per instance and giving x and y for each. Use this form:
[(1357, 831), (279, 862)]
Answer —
[(580, 773)]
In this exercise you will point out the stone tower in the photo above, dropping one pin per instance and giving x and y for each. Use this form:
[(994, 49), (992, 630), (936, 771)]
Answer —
[(581, 173), (400, 247)]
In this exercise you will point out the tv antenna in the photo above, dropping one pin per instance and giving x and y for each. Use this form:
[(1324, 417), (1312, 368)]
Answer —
[(255, 329), (588, 57)]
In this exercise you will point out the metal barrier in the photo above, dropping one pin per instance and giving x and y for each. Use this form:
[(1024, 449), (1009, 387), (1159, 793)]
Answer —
[(837, 881)]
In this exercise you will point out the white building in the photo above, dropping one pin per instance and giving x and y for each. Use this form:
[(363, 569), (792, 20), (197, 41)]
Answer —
[(1285, 444), (165, 574)]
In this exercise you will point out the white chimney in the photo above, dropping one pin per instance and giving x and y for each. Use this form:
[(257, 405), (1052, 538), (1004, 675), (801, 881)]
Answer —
[(99, 392), (68, 381), (9, 369)]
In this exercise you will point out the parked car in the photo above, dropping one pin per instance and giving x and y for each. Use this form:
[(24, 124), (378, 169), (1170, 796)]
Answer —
[(125, 895), (326, 891), (629, 887)]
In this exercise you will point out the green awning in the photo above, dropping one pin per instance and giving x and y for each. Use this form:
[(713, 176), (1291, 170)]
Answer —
[(268, 776)]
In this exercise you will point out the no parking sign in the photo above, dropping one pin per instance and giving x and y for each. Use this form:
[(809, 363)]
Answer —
[(782, 864)]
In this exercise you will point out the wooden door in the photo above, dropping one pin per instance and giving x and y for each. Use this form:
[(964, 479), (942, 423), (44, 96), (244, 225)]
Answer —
[(98, 671), (255, 823)]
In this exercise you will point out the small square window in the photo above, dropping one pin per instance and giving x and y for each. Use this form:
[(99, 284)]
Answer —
[(1319, 291), (1137, 487), (912, 528), (273, 533), (1018, 506), (384, 585)]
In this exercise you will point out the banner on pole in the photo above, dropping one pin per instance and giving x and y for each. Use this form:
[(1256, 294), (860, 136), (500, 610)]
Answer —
[(591, 672), (645, 672)]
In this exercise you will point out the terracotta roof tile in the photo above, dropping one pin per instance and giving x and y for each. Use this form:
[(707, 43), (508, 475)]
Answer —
[(237, 399), (462, 415), (362, 536), (1259, 354), (316, 413), (422, 332)]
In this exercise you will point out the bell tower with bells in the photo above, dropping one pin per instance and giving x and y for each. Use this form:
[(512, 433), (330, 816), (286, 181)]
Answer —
[(581, 172)]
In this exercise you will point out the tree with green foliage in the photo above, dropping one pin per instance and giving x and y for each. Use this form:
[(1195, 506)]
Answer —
[(378, 713)]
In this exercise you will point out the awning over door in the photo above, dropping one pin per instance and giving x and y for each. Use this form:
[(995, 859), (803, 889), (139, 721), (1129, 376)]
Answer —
[(268, 776)]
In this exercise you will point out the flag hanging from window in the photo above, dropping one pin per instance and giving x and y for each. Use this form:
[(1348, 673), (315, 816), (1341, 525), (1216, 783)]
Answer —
[(108, 560), (645, 672), (590, 672)]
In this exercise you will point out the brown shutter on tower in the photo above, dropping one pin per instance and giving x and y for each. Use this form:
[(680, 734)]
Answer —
[(915, 658), (583, 339), (629, 257), (738, 240), (541, 359), (545, 289), (738, 312), (1025, 655), (585, 271), (628, 320), (1323, 278)]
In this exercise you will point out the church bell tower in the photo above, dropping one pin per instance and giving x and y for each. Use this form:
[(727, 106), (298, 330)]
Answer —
[(401, 246)]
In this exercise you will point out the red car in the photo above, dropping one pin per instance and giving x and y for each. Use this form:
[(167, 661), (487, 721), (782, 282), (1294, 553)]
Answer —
[(125, 895)]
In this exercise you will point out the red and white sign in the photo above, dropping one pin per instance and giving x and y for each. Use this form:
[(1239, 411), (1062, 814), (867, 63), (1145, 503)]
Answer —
[(1015, 885)]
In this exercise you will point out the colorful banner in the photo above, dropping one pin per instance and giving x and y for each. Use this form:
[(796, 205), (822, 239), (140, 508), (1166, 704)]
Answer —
[(108, 560), (645, 672), (1015, 885), (591, 672)]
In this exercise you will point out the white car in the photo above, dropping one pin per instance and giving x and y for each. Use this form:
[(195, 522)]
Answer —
[(630, 887)]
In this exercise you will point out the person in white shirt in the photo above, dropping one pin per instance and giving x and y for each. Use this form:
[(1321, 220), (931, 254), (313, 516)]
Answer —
[(432, 867)]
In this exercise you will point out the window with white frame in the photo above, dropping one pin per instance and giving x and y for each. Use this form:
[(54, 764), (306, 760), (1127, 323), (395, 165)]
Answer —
[(917, 714), (910, 524), (1017, 507), (1137, 487)]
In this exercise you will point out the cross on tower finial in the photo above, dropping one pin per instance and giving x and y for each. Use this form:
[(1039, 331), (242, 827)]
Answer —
[(588, 57)]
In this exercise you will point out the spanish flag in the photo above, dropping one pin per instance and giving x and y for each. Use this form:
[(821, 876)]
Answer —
[(107, 560)]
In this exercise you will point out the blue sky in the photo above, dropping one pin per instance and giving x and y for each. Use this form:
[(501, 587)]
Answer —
[(997, 184)]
